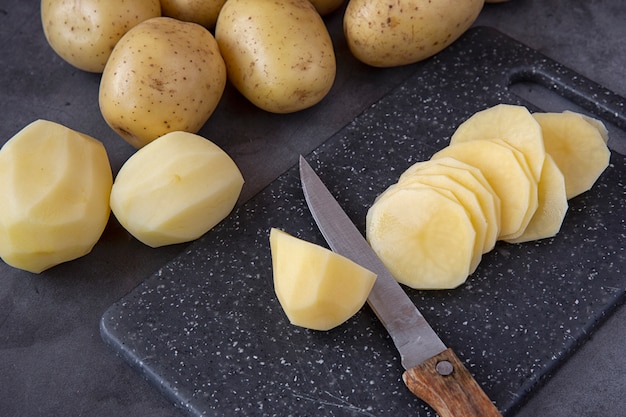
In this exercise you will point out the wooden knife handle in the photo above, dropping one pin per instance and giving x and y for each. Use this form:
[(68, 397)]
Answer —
[(446, 385)]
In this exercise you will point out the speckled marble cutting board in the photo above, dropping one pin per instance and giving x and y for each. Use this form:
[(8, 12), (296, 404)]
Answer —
[(207, 330)]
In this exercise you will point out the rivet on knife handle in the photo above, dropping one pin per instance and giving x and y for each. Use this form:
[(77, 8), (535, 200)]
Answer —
[(446, 385)]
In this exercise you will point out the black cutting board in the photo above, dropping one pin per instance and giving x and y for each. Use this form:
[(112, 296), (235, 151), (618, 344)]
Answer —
[(207, 329)]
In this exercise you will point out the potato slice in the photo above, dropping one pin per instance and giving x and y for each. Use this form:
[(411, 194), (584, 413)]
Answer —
[(465, 197), (55, 185), (317, 288), (604, 132), (577, 147), (471, 178), (512, 124), (507, 172), (551, 208), (175, 189), (424, 237)]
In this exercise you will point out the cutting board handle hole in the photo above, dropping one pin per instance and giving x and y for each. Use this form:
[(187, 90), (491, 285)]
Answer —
[(545, 92)]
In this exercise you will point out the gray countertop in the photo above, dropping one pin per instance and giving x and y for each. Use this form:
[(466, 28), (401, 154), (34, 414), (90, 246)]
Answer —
[(53, 360)]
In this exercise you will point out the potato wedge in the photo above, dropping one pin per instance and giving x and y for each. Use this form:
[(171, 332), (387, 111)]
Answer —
[(317, 288)]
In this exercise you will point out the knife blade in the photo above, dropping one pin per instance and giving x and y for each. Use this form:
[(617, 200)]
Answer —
[(433, 372)]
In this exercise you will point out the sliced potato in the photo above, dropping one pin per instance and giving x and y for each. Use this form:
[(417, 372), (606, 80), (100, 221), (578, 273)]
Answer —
[(506, 171), (512, 124), (424, 237), (551, 208), (317, 288), (577, 147), (473, 179), (466, 198)]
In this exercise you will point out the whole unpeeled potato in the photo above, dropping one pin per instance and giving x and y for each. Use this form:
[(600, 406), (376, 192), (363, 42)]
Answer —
[(388, 33), (279, 54), (84, 32), (164, 75), (203, 12)]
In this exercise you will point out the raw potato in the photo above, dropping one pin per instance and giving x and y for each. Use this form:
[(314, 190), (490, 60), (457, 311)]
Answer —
[(512, 124), (164, 75), (467, 198), (507, 172), (55, 185), (577, 146), (202, 12), (551, 205), (84, 32), (175, 189), (388, 33), (279, 54), (317, 288), (486, 169), (472, 179), (326, 7), (425, 238)]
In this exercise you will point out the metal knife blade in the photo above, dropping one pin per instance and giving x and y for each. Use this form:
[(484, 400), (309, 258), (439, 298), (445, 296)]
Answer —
[(433, 372)]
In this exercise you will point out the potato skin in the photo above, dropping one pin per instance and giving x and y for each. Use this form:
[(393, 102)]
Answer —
[(164, 75), (203, 12), (278, 54), (84, 32), (326, 7), (388, 33)]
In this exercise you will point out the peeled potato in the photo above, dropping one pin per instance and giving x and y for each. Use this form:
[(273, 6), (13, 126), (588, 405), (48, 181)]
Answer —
[(317, 288), (55, 185), (467, 198), (472, 179), (513, 124), (175, 189), (551, 205), (425, 238), (507, 172), (577, 146)]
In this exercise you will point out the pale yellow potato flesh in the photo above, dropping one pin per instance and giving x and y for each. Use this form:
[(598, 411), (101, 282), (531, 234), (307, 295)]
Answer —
[(84, 32), (425, 238), (279, 54), (577, 146), (175, 189), (551, 205), (202, 12), (507, 172), (164, 75), (318, 289), (511, 123), (472, 179), (55, 185), (388, 33), (467, 198)]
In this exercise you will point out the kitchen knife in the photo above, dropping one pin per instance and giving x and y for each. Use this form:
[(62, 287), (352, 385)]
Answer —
[(433, 372)]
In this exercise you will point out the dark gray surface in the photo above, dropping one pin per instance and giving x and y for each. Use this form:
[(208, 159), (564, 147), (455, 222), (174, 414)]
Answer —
[(53, 361), (207, 329)]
